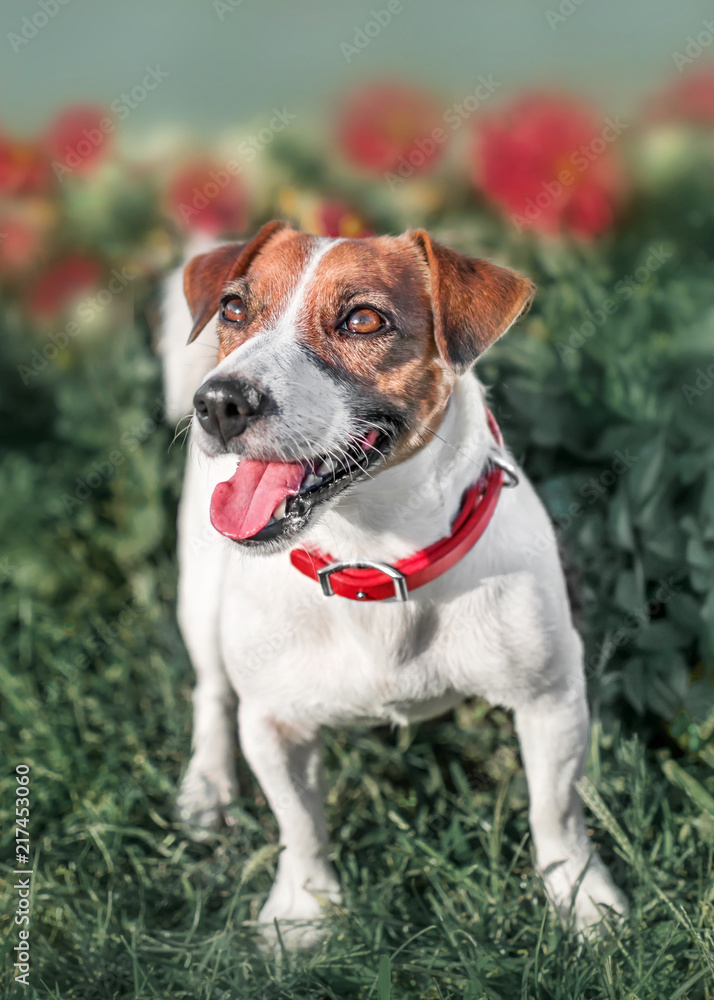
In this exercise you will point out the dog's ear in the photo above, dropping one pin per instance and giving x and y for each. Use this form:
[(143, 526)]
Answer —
[(204, 276), (473, 301)]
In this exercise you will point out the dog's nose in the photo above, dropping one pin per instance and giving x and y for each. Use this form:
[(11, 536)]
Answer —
[(225, 407)]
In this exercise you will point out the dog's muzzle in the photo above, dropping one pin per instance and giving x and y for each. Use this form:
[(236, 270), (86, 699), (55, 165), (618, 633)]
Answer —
[(226, 407)]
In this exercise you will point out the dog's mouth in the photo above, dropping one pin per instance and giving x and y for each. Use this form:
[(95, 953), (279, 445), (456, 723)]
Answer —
[(267, 501)]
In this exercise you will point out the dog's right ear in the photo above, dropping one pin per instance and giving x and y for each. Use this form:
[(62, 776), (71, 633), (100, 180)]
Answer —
[(205, 275), (473, 301)]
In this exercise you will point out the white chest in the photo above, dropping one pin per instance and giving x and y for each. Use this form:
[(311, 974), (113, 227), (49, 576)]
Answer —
[(339, 662)]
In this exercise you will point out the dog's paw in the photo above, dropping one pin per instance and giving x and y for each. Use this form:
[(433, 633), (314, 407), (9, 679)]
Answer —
[(300, 913), (202, 802), (598, 904)]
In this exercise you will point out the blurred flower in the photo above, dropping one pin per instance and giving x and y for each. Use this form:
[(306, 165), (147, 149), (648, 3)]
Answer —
[(24, 226), (205, 196), (689, 99), (322, 216), (20, 244), (154, 255), (666, 152), (62, 284), (548, 161), (79, 138), (334, 218), (24, 168), (384, 125)]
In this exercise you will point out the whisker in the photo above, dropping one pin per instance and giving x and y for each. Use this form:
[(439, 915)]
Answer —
[(456, 450), (178, 431)]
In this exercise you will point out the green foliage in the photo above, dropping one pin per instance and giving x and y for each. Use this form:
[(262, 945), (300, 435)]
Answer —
[(606, 393)]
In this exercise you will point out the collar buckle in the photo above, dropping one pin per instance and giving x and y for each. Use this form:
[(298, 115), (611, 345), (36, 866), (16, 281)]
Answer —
[(399, 579), (509, 470)]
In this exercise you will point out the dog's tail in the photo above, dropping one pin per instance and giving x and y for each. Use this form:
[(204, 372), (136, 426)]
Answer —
[(184, 365)]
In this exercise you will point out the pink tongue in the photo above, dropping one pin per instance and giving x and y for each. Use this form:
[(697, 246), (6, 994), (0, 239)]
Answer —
[(244, 504)]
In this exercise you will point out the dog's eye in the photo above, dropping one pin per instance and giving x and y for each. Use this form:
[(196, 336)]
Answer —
[(234, 310), (363, 321)]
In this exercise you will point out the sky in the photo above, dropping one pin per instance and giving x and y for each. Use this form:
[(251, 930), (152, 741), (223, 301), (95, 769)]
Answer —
[(230, 61)]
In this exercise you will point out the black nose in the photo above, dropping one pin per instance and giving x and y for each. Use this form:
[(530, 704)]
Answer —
[(225, 407)]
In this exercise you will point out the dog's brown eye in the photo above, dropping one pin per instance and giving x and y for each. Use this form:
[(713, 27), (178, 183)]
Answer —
[(363, 321), (234, 310)]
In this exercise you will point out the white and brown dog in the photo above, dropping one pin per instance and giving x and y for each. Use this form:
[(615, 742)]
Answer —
[(347, 553)]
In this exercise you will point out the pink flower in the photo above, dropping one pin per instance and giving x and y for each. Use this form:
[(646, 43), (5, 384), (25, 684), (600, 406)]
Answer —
[(689, 99), (205, 196), (386, 125), (19, 245), (548, 161), (24, 228), (80, 138), (62, 284), (334, 218), (24, 168)]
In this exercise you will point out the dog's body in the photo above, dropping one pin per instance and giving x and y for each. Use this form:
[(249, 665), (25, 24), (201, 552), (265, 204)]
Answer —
[(497, 624)]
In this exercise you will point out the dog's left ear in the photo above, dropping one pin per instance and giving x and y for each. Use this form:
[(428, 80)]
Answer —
[(205, 275), (473, 301)]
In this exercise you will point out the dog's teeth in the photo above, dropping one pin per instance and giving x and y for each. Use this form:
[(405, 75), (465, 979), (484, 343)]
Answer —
[(279, 511), (325, 469), (311, 480)]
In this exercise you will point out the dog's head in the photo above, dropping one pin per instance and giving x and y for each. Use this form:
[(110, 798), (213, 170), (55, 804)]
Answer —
[(337, 358)]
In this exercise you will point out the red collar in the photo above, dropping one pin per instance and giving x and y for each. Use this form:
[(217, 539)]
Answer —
[(364, 580)]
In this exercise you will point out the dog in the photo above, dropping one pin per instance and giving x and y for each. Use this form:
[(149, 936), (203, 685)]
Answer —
[(349, 548)]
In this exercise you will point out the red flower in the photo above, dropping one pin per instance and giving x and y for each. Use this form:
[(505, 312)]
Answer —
[(549, 163), (19, 245), (79, 138), (689, 99), (24, 227), (24, 168), (204, 195), (386, 126), (334, 218), (62, 284)]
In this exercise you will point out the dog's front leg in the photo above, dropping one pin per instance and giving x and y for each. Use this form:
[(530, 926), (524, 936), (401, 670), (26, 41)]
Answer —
[(288, 766), (553, 733), (210, 783)]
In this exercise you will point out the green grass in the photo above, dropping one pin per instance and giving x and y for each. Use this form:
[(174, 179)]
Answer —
[(430, 840)]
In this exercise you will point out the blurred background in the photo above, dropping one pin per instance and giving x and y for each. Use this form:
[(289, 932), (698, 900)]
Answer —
[(573, 140)]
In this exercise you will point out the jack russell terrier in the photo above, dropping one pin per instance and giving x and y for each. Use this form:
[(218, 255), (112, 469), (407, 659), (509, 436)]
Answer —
[(348, 553)]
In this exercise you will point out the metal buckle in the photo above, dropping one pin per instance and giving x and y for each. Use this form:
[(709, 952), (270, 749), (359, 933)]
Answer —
[(508, 469), (400, 581)]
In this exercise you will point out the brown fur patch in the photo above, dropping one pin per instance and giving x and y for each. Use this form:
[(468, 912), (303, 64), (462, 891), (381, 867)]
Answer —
[(206, 274), (266, 287), (473, 300)]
